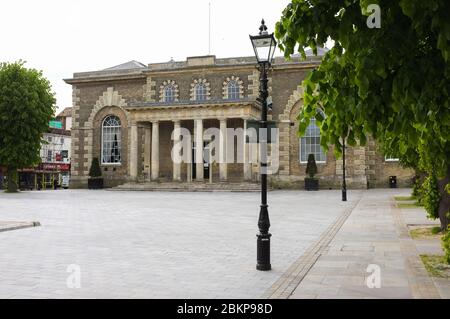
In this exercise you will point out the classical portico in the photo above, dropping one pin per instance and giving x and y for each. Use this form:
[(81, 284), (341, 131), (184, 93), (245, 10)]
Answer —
[(196, 118)]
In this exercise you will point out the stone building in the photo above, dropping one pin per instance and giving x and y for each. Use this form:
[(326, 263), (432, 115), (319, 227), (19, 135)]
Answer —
[(125, 116)]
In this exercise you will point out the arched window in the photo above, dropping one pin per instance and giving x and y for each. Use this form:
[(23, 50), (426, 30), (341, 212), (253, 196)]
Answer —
[(233, 90), (111, 140), (310, 144), (169, 93), (200, 92)]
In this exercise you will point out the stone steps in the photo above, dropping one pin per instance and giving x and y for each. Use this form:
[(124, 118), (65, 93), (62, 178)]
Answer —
[(188, 187)]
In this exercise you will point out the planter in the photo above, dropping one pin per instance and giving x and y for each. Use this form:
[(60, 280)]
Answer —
[(311, 184), (95, 183)]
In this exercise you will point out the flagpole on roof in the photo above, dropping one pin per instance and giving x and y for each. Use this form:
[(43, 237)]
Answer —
[(209, 28)]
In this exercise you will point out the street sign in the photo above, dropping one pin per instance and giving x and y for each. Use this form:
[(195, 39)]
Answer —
[(55, 124)]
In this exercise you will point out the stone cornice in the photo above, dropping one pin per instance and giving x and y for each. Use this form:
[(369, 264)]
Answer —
[(190, 112), (226, 68), (104, 76), (92, 77), (189, 104)]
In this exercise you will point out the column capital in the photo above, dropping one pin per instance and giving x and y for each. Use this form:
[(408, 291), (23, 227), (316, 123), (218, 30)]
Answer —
[(145, 125)]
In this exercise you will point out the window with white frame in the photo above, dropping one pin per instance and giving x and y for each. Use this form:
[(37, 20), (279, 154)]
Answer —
[(200, 92), (169, 93), (233, 90), (111, 140), (310, 144)]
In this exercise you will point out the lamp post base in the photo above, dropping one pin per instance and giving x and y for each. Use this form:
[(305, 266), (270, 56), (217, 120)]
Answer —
[(344, 195), (263, 252)]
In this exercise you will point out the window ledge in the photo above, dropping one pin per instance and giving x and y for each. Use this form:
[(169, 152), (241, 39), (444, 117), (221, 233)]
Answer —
[(317, 162)]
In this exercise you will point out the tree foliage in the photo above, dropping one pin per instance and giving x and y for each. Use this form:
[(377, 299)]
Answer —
[(431, 196), (26, 107), (393, 80), (446, 245)]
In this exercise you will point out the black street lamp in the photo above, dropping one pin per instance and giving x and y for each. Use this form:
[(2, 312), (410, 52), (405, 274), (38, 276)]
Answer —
[(264, 45), (344, 184)]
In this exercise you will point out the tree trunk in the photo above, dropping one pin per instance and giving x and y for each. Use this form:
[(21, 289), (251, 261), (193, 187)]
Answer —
[(12, 180), (444, 204)]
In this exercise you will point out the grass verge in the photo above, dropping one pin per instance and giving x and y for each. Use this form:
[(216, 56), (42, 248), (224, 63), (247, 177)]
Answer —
[(409, 205), (426, 232), (404, 198), (436, 266)]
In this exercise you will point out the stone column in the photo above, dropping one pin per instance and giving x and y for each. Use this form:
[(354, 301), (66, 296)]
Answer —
[(247, 165), (155, 150), (189, 160), (176, 158), (147, 149), (134, 152), (223, 150), (198, 132)]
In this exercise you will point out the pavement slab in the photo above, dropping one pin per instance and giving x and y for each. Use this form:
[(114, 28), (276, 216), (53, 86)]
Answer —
[(203, 245), (154, 244), (374, 240)]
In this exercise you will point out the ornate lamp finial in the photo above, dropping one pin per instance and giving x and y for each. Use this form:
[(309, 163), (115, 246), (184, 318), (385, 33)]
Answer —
[(263, 28)]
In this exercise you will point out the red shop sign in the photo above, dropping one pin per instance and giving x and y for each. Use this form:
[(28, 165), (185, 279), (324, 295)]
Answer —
[(55, 166)]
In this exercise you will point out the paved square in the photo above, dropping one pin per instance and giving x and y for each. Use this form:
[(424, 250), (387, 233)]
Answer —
[(155, 244)]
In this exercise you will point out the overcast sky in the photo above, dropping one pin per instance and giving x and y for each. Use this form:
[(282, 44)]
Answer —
[(61, 37)]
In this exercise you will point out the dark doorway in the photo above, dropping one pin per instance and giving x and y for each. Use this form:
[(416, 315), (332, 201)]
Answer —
[(206, 165)]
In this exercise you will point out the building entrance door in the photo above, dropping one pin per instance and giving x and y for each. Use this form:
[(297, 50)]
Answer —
[(206, 164)]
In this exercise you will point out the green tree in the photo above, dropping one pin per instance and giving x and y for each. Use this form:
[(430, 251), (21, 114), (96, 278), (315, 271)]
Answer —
[(26, 107), (389, 81)]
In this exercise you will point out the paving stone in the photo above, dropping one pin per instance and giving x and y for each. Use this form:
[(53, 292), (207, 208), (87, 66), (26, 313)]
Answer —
[(154, 244), (375, 233), (203, 245)]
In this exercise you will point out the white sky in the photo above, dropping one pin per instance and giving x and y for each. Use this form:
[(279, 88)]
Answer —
[(61, 37)]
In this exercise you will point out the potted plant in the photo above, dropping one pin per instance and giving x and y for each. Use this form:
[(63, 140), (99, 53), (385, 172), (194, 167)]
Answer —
[(311, 183), (95, 180)]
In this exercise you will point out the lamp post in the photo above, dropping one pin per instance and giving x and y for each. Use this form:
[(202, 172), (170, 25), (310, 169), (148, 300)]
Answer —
[(344, 184), (264, 46)]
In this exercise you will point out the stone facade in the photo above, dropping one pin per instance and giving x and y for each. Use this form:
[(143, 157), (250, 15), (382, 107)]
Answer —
[(135, 95)]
